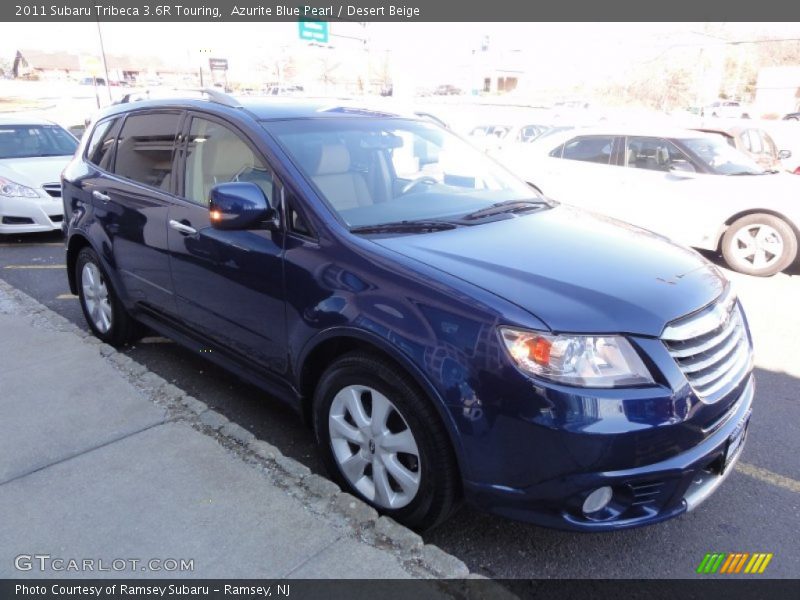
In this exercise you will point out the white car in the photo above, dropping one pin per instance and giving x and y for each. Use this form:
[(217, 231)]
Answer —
[(33, 152), (687, 185)]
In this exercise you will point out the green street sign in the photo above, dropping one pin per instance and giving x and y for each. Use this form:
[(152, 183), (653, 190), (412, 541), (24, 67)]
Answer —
[(314, 31)]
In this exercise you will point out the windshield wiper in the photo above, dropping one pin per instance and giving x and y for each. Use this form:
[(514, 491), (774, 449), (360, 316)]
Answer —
[(404, 227), (509, 206)]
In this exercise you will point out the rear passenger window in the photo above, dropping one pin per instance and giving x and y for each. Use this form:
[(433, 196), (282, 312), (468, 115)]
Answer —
[(216, 154), (99, 150), (596, 149), (145, 147)]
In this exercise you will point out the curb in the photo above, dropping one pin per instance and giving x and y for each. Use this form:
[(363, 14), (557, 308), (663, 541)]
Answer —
[(318, 494)]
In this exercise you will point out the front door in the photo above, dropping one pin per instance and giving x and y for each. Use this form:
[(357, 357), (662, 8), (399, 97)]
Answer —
[(228, 284)]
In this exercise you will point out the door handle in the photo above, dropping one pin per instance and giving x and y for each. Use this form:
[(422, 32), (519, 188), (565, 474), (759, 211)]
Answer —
[(182, 228), (98, 195)]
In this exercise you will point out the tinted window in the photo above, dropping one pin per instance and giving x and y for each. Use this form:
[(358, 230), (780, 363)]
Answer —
[(99, 148), (22, 141), (655, 154), (595, 148), (216, 154), (145, 147)]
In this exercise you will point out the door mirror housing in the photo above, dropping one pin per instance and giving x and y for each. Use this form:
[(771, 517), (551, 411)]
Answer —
[(682, 169), (784, 154), (240, 205)]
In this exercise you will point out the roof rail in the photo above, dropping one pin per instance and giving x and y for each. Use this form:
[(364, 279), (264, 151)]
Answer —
[(220, 97), (213, 95)]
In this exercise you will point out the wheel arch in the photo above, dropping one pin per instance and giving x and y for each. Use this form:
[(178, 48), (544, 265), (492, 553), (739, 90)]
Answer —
[(76, 243), (331, 344), (754, 211)]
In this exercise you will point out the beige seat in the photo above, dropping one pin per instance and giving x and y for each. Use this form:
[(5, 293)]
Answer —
[(343, 188)]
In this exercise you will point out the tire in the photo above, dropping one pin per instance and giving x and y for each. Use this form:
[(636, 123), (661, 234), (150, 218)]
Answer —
[(759, 244), (102, 309), (358, 384)]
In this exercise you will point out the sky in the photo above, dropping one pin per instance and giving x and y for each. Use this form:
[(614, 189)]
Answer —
[(588, 52)]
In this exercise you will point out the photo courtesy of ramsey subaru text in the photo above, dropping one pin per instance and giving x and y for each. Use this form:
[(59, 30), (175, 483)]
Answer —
[(450, 334)]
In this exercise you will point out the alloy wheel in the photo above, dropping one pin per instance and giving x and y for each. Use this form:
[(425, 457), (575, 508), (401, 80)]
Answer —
[(758, 245), (96, 297), (374, 447)]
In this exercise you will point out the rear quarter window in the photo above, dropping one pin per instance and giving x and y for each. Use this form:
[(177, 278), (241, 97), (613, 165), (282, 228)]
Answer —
[(99, 150)]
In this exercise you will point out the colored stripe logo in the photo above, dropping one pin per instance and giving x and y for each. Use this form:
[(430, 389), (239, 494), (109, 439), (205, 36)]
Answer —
[(734, 562)]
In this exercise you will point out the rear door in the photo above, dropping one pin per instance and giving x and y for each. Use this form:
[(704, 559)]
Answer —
[(228, 284), (132, 204)]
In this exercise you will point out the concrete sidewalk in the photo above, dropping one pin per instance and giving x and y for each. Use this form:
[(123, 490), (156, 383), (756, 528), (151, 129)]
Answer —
[(103, 461)]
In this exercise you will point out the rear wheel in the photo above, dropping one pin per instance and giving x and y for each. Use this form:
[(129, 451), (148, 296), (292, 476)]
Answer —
[(102, 309), (759, 244), (382, 440)]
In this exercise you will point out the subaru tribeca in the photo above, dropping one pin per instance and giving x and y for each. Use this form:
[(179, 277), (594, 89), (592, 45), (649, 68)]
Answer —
[(448, 333)]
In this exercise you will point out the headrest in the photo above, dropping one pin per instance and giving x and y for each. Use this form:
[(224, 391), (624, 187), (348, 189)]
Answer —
[(230, 156), (331, 159)]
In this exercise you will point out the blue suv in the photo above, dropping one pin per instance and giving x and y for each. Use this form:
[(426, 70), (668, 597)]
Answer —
[(448, 333)]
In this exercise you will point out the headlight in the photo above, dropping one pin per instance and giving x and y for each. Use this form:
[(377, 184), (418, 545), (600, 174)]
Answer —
[(11, 189), (580, 360)]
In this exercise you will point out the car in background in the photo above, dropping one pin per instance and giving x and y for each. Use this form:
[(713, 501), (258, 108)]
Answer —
[(447, 90), (755, 142), (449, 333), (690, 186), (795, 116), (730, 109), (33, 152), (286, 90), (495, 137)]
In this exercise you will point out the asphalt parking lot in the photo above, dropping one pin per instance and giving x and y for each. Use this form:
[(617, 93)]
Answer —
[(756, 510)]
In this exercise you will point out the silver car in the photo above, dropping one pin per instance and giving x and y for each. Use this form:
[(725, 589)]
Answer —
[(33, 152), (687, 185)]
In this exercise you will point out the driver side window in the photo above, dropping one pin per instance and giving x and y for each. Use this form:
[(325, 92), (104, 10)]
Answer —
[(216, 154)]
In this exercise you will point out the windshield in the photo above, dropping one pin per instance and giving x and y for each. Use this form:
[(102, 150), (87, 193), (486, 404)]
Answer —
[(379, 171), (721, 157), (23, 141)]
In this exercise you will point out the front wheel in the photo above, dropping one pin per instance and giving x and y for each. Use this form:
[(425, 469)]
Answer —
[(759, 244), (382, 440), (102, 308)]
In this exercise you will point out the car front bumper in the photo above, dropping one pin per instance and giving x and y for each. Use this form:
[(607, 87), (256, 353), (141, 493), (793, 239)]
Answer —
[(30, 215), (641, 496)]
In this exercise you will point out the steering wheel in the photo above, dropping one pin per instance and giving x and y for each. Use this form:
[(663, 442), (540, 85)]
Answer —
[(418, 181)]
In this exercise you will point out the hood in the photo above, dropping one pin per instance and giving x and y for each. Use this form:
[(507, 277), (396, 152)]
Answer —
[(34, 171), (575, 271)]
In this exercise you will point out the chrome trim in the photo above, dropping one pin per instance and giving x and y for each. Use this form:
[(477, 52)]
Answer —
[(182, 228), (711, 347), (705, 321)]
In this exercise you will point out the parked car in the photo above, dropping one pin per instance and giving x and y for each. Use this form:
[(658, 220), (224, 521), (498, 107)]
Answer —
[(755, 142), (795, 116), (732, 109), (447, 90), (286, 90), (496, 137), (449, 333), (690, 186), (33, 152)]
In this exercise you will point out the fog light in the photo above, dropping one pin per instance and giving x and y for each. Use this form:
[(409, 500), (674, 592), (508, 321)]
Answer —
[(597, 500)]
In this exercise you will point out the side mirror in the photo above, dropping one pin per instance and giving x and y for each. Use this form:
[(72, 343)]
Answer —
[(682, 169), (240, 205), (784, 154)]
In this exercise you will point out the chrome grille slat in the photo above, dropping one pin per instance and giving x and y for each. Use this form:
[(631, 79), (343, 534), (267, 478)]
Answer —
[(710, 347)]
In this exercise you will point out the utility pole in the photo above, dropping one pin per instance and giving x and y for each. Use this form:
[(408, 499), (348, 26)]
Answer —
[(105, 64)]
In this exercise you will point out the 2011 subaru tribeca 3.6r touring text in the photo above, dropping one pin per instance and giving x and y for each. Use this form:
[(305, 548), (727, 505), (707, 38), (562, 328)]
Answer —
[(449, 333)]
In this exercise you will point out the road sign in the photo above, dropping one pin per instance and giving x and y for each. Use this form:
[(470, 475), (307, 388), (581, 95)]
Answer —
[(314, 31), (218, 64), (90, 64)]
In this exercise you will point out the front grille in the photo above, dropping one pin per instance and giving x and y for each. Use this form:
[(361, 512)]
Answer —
[(710, 347), (54, 189)]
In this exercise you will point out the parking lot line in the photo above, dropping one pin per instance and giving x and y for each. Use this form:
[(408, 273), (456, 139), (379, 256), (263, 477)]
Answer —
[(66, 297), (34, 267), (21, 245), (769, 477)]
